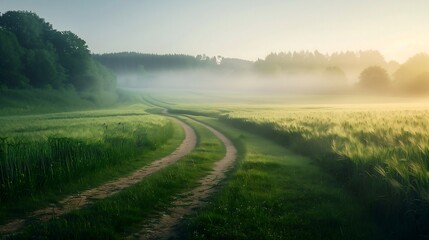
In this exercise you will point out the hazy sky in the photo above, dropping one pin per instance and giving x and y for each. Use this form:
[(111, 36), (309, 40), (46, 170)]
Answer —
[(240, 28)]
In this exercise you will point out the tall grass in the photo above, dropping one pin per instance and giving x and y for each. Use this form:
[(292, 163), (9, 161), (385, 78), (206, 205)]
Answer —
[(382, 155), (47, 151), (124, 212), (276, 194)]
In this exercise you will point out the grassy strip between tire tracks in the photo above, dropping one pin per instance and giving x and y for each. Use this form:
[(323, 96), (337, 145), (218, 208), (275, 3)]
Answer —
[(276, 194)]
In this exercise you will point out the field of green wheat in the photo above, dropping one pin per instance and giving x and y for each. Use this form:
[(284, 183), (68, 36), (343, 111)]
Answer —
[(47, 151), (380, 153), (355, 159)]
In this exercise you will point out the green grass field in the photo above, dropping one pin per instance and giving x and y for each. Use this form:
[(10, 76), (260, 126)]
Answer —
[(44, 157), (274, 193), (304, 171), (123, 213), (377, 152), (381, 154)]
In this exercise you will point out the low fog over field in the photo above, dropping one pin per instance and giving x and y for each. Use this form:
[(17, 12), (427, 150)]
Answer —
[(293, 72), (246, 81)]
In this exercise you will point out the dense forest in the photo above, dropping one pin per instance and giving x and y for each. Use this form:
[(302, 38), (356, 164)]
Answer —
[(35, 55)]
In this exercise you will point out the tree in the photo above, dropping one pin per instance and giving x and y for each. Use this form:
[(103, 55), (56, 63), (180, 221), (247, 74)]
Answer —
[(74, 56), (346, 60), (411, 76), (43, 69), (419, 85), (10, 61), (335, 75), (28, 28), (371, 58), (374, 79), (34, 54)]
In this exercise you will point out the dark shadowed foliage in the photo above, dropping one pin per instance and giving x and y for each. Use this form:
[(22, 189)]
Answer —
[(413, 76), (10, 61), (132, 61), (33, 54), (374, 79)]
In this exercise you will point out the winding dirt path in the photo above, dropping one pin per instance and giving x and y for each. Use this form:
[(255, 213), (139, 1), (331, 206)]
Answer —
[(87, 197), (164, 227)]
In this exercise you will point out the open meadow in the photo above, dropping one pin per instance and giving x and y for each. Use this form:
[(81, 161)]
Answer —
[(302, 171), (377, 152)]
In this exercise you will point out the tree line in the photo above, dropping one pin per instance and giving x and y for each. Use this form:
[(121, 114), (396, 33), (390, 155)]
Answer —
[(313, 61), (375, 74), (410, 78), (132, 61), (35, 55)]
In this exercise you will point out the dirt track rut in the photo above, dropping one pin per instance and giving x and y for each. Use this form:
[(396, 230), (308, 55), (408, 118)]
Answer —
[(87, 197), (164, 227)]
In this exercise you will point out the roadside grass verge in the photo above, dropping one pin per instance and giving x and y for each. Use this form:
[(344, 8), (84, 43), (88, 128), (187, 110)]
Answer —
[(276, 194), (124, 212)]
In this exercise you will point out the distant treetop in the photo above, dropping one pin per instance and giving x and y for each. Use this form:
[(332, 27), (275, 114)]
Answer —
[(132, 61), (310, 61)]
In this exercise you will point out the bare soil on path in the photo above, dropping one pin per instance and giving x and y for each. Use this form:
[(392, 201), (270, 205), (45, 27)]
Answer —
[(87, 197), (164, 226)]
